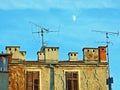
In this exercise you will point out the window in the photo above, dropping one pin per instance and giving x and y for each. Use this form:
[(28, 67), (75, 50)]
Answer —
[(71, 80), (32, 80), (3, 64), (36, 84)]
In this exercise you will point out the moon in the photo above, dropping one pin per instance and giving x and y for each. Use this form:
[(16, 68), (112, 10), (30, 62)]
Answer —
[(74, 18)]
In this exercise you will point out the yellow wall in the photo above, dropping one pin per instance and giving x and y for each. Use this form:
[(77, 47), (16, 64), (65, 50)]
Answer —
[(91, 77)]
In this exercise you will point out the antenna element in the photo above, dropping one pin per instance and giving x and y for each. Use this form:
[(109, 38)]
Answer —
[(42, 31)]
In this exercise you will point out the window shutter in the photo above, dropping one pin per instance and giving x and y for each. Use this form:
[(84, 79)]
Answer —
[(36, 80), (71, 80), (32, 80), (29, 81)]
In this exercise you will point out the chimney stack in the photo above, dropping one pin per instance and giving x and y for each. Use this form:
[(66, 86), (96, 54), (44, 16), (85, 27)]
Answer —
[(48, 54), (16, 53), (73, 56), (102, 54)]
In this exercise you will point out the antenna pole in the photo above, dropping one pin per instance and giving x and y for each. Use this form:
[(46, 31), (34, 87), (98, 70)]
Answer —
[(42, 31), (109, 80), (42, 37)]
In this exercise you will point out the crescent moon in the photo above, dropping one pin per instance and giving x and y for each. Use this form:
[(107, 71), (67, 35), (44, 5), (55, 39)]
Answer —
[(74, 18)]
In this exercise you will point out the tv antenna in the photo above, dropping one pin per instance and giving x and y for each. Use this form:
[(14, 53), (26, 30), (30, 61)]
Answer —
[(42, 31), (109, 80)]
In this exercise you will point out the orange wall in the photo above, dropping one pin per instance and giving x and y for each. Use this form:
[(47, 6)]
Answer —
[(16, 77)]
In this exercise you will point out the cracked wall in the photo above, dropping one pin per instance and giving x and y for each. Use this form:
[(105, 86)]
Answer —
[(90, 77), (16, 77)]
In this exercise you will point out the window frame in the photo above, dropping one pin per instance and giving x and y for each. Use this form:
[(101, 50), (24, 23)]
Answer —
[(78, 71), (4, 64), (1, 64), (32, 70)]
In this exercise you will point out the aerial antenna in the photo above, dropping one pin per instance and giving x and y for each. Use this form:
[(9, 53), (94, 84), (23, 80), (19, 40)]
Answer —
[(107, 35), (42, 31), (109, 80)]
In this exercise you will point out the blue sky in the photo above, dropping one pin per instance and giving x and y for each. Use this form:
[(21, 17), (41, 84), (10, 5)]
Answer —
[(57, 15)]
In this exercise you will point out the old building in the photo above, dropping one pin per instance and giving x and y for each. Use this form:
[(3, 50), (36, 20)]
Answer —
[(50, 73), (4, 75)]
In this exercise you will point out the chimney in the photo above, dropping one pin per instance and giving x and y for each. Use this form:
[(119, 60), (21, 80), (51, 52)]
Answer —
[(16, 53), (23, 55), (73, 56), (41, 56), (90, 54), (48, 54), (102, 53)]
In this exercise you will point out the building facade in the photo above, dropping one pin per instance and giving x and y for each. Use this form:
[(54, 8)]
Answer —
[(50, 73), (4, 75)]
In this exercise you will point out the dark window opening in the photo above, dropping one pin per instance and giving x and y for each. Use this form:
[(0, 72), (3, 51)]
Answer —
[(102, 48), (52, 49), (15, 49), (36, 84), (88, 50)]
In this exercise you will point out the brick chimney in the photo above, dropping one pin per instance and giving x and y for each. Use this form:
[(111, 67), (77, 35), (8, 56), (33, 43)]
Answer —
[(102, 53)]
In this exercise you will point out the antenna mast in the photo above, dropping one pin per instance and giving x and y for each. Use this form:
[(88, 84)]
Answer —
[(42, 31), (109, 81)]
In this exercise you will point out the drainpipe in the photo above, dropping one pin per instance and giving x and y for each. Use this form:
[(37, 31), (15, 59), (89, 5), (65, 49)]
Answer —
[(51, 77)]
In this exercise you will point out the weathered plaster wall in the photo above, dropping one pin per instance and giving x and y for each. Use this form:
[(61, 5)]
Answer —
[(94, 78), (16, 77), (90, 77), (45, 79), (59, 78)]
